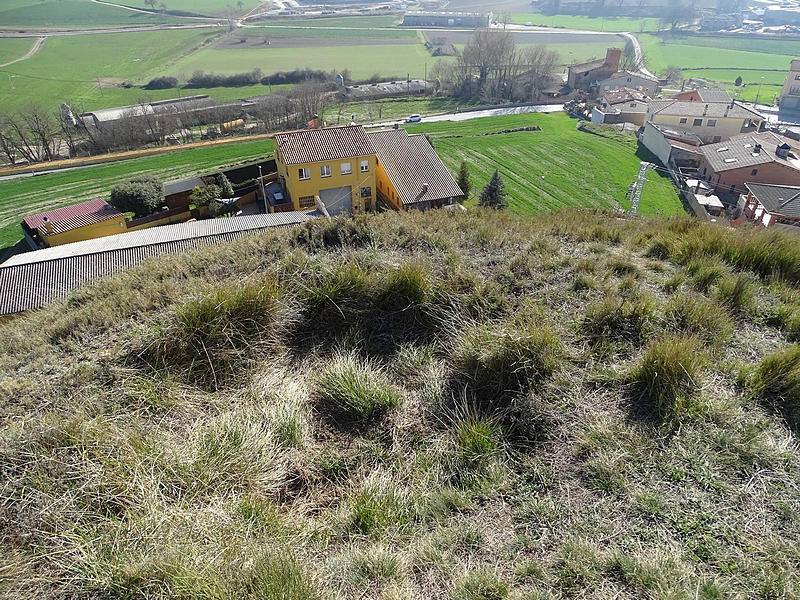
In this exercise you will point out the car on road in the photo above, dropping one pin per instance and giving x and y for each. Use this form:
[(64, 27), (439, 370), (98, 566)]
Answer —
[(414, 119), (528, 24)]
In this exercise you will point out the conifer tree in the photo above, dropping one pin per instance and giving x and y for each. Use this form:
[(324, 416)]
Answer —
[(463, 179), (494, 194)]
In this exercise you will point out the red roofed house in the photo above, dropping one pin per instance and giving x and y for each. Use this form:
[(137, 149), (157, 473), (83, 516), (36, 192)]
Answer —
[(75, 223)]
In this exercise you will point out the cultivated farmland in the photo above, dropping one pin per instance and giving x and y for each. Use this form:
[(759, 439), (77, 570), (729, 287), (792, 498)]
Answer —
[(587, 23), (76, 14)]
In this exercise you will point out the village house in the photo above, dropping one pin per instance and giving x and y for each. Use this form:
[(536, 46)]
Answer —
[(347, 170), (771, 205), (756, 158), (84, 221), (672, 146), (622, 105), (712, 122), (584, 76), (627, 79), (789, 109), (704, 94)]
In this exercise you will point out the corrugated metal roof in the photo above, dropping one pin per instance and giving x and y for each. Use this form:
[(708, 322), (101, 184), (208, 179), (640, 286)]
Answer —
[(740, 152), (410, 161), (31, 280), (330, 143), (104, 214), (185, 185), (93, 211)]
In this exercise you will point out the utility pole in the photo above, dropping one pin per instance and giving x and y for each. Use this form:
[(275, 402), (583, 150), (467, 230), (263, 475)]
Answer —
[(263, 193), (539, 208)]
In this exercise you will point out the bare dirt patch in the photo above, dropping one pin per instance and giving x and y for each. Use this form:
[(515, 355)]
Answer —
[(109, 82), (267, 42)]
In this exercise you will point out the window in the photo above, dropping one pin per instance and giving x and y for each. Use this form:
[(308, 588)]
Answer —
[(325, 171), (366, 192), (712, 123), (364, 166), (306, 201), (346, 169), (754, 172), (697, 123), (683, 121), (303, 173), (717, 139)]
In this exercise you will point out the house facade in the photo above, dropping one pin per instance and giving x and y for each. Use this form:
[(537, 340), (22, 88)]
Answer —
[(766, 158), (633, 81), (789, 109), (671, 146), (712, 122), (771, 205), (621, 105), (79, 222), (336, 165)]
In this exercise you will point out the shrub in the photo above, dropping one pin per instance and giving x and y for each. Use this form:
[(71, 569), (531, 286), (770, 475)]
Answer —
[(355, 389), (736, 293), (498, 362), (620, 319), (668, 373), (777, 381), (697, 316), (199, 79), (296, 76), (162, 83), (142, 196)]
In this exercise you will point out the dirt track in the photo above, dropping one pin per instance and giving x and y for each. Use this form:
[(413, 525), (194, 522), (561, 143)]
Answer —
[(37, 45)]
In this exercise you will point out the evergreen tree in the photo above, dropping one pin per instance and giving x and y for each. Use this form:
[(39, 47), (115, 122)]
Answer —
[(226, 189), (463, 179), (494, 194), (738, 81)]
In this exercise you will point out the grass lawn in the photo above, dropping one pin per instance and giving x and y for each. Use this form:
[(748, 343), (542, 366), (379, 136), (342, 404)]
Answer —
[(390, 60), (679, 52), (202, 7), (80, 14), (358, 22), (586, 23), (13, 48), (580, 169), (389, 109), (66, 68), (320, 33), (31, 195)]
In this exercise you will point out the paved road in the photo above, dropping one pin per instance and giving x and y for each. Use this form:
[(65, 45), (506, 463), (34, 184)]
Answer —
[(37, 45), (478, 114)]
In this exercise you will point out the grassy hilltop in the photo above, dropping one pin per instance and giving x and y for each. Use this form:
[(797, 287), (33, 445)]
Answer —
[(477, 407)]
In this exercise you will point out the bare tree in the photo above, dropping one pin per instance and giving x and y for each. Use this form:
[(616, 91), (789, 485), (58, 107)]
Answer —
[(539, 64), (310, 99)]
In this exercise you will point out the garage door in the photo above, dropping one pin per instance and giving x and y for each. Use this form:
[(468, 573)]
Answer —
[(337, 200)]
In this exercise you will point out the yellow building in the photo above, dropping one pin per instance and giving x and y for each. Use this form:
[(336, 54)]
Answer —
[(335, 164), (75, 223), (349, 169)]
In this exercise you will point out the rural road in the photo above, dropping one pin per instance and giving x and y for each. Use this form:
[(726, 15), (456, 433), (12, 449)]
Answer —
[(478, 114), (37, 45)]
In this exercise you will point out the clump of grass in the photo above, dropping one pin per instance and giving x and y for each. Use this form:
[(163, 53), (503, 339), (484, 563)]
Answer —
[(210, 338), (630, 320), (660, 248), (693, 315), (786, 316), (374, 565), (584, 282), (496, 362), (406, 287), (668, 375), (777, 381), (379, 504), (476, 443), (355, 389), (580, 565), (278, 576), (736, 293), (672, 284), (481, 584), (705, 272), (622, 267)]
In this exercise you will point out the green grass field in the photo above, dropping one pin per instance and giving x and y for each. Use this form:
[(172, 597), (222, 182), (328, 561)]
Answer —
[(357, 22), (80, 14), (320, 33), (31, 195), (580, 169), (585, 23), (13, 48), (202, 7)]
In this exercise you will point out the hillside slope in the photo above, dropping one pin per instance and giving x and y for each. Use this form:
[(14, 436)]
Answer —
[(472, 406)]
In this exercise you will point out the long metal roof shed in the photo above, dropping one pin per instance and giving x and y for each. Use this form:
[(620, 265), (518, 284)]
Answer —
[(31, 280)]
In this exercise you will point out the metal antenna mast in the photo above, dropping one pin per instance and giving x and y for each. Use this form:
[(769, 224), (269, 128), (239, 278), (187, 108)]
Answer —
[(637, 187)]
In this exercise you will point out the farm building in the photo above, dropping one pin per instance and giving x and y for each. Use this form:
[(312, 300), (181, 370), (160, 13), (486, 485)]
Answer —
[(584, 76), (704, 94), (342, 167), (84, 221), (386, 89), (446, 19), (31, 280), (672, 146), (627, 79), (760, 158), (770, 205), (712, 122), (99, 118)]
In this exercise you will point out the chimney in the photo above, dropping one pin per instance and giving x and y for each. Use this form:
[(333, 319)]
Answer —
[(705, 110), (47, 225), (613, 56), (757, 149), (782, 151), (315, 122), (423, 192)]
